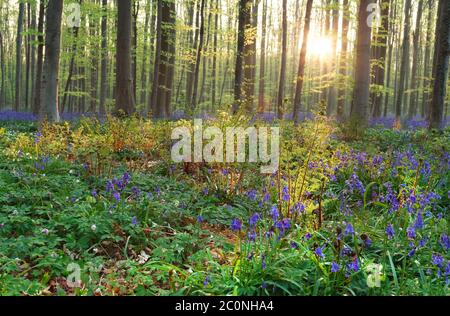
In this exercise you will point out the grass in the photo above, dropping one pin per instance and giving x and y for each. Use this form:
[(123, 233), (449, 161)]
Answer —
[(89, 208)]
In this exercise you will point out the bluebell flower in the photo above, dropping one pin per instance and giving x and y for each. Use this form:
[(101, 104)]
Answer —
[(116, 196), (419, 221), (252, 195), (390, 231), (308, 236), (236, 225), (136, 191), (109, 186), (437, 260), (134, 221), (206, 281), (94, 193), (445, 241), (353, 266), (263, 262), (294, 245), (319, 252), (274, 213), (251, 236), (423, 242), (286, 195), (335, 267), (349, 229), (199, 219), (266, 198), (254, 219), (411, 233)]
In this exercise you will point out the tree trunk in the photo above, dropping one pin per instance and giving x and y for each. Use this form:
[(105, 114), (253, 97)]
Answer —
[(94, 64), (426, 67), (214, 65), (193, 102), (171, 60), (362, 67), (104, 58), (282, 78), (262, 64), (405, 62), (243, 23), (301, 64), (71, 68), (383, 34), (332, 94), (3, 71), (39, 60), (440, 67), (134, 47), (143, 96), (343, 64), (124, 79), (155, 86), (20, 19), (51, 64), (412, 111)]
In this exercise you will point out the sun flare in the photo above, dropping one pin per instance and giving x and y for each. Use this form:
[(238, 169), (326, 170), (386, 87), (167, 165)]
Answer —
[(320, 46)]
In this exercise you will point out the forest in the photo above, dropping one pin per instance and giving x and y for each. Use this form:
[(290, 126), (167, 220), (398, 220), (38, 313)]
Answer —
[(99, 98)]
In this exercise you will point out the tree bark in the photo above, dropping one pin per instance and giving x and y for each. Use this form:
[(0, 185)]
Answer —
[(39, 60), (343, 64), (51, 63), (262, 64), (405, 62), (282, 78), (440, 67), (243, 23), (426, 67), (104, 58), (193, 98), (362, 67), (383, 34), (18, 93), (412, 111), (301, 64), (124, 80)]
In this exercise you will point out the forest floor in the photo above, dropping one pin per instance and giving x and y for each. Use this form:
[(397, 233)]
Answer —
[(99, 209)]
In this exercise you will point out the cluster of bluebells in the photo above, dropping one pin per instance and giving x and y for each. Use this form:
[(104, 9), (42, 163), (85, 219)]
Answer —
[(116, 186)]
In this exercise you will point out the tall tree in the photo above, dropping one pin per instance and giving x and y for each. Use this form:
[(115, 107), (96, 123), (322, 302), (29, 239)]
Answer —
[(215, 48), (301, 64), (440, 67), (405, 62), (143, 96), (282, 78), (262, 64), (124, 79), (380, 66), (343, 61), (39, 60), (18, 70), (332, 93), (362, 67), (3, 71), (427, 57), (243, 24), (50, 73), (198, 58), (104, 58), (75, 30), (412, 110)]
